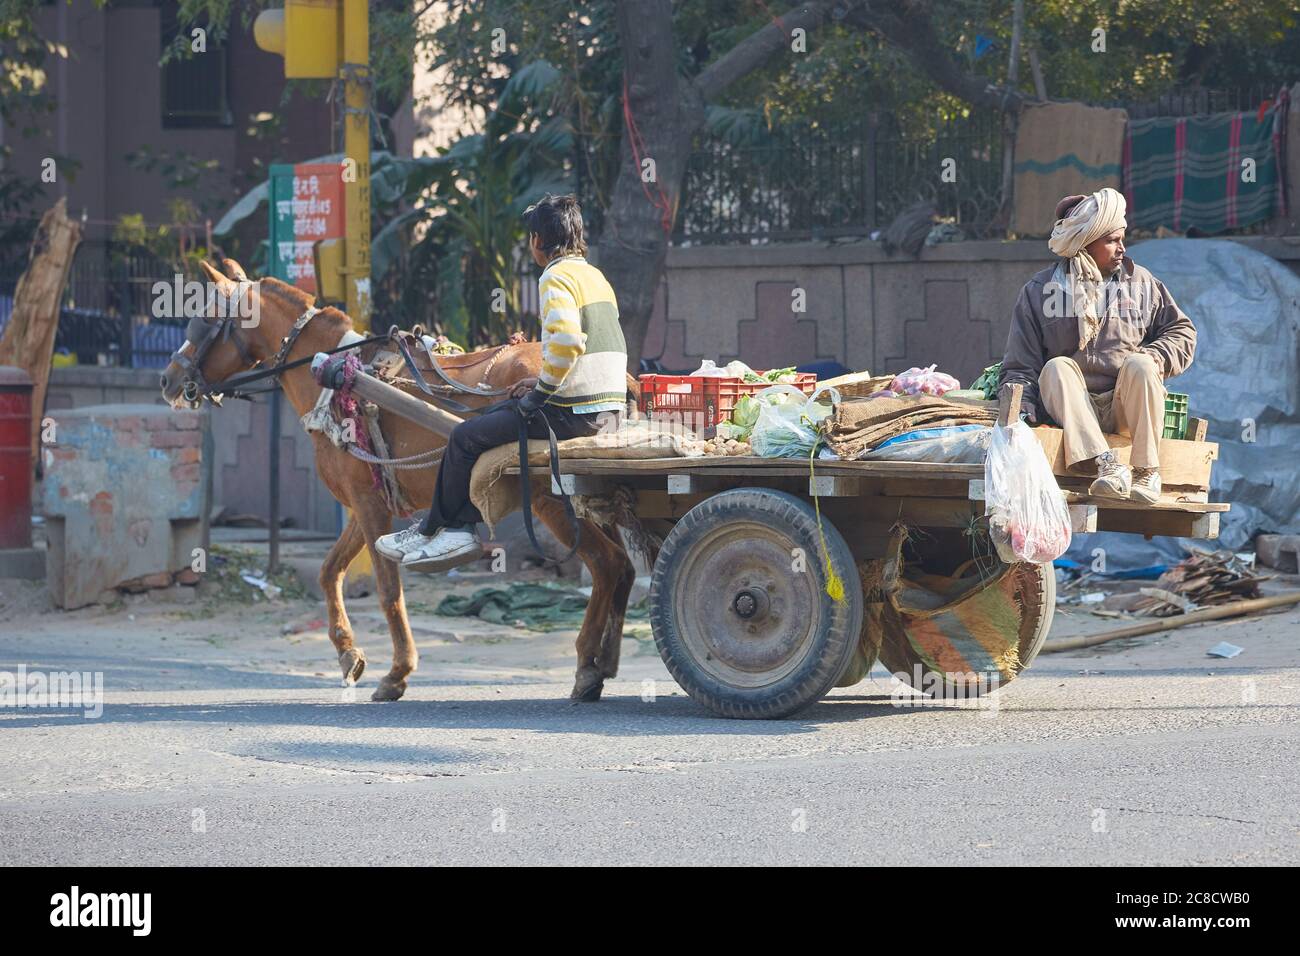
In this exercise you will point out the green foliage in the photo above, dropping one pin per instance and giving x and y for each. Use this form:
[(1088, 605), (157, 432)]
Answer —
[(25, 102), (459, 241)]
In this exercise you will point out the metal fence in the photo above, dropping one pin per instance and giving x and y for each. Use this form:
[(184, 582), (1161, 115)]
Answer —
[(812, 182), (806, 182), (106, 316)]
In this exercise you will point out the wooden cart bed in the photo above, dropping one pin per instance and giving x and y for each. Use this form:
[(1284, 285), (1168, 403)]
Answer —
[(919, 493)]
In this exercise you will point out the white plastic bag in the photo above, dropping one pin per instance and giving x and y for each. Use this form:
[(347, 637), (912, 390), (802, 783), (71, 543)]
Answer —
[(1028, 516), (787, 421)]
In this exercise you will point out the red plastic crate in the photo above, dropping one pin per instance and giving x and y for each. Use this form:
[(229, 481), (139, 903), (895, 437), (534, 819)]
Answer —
[(709, 401)]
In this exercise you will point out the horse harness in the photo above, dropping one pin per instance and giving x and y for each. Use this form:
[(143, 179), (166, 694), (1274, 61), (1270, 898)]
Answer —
[(203, 335)]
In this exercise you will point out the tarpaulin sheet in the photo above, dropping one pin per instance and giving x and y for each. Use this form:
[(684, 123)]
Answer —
[(1245, 380)]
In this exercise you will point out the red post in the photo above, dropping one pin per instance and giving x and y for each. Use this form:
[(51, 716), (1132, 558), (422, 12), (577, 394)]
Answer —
[(15, 458)]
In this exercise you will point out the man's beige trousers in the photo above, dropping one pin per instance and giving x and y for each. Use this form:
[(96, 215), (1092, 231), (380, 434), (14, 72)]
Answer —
[(1135, 408)]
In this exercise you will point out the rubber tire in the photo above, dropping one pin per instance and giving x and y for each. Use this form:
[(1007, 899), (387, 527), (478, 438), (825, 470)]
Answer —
[(834, 646), (1029, 647)]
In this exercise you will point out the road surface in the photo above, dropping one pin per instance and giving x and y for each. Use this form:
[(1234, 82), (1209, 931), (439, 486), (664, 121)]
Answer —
[(227, 739)]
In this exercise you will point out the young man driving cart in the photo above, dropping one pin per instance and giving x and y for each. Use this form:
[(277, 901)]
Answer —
[(583, 375)]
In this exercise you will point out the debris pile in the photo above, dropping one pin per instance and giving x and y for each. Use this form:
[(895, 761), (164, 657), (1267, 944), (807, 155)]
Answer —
[(1202, 579)]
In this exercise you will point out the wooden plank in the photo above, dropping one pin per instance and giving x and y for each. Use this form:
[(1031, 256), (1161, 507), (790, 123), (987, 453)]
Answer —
[(1083, 518), (28, 340), (1182, 463), (1164, 504), (834, 486), (1009, 396), (1197, 429), (1150, 522), (750, 467), (581, 485)]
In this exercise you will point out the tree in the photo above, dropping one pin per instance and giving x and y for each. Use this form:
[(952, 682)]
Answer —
[(638, 81)]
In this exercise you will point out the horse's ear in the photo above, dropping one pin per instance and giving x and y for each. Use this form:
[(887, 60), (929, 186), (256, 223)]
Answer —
[(234, 270), (223, 284)]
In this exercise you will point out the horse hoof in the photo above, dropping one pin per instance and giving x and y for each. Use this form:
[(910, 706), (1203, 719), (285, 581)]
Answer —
[(587, 687), (353, 663), (389, 690)]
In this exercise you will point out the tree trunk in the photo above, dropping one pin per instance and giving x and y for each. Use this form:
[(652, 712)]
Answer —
[(28, 340), (666, 114)]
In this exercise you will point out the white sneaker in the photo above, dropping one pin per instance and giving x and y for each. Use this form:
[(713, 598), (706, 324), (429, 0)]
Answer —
[(395, 546), (1114, 480), (445, 550), (1146, 485)]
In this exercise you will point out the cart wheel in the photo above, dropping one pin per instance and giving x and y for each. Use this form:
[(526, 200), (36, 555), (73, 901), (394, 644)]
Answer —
[(739, 606), (980, 647)]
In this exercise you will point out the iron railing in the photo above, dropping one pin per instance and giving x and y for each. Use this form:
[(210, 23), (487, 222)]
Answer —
[(106, 316), (814, 182), (804, 182)]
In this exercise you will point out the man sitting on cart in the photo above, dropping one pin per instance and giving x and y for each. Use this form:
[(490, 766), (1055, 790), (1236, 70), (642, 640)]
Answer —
[(583, 374), (1092, 340)]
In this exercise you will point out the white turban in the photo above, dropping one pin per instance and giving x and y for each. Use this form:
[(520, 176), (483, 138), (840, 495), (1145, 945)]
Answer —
[(1097, 215)]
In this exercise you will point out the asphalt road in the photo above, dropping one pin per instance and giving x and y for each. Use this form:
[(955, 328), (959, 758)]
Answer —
[(226, 747)]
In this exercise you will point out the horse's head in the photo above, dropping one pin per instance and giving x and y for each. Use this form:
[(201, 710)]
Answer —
[(218, 341)]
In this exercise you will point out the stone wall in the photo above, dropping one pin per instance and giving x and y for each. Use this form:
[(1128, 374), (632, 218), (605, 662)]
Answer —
[(863, 308)]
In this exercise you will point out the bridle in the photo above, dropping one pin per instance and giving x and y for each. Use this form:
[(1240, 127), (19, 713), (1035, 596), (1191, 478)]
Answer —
[(202, 335)]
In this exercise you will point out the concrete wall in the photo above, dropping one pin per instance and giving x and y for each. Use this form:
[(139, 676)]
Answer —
[(241, 437), (867, 310)]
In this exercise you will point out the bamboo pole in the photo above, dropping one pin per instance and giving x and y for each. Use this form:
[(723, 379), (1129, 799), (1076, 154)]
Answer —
[(407, 406), (1232, 609)]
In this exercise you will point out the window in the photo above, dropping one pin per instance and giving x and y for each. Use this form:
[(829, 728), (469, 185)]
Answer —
[(194, 85)]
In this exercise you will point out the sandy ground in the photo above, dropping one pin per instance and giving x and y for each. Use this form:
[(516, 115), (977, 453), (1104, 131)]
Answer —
[(226, 738)]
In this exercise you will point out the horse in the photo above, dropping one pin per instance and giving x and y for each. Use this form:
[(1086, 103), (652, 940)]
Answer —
[(227, 347)]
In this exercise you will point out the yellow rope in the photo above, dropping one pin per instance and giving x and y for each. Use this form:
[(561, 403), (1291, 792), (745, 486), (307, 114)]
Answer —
[(834, 584)]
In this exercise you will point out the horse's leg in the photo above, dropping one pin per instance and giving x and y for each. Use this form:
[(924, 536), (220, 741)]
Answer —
[(375, 521), (604, 560), (611, 641), (352, 659)]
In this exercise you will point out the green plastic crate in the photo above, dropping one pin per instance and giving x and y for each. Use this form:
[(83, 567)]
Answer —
[(1175, 415)]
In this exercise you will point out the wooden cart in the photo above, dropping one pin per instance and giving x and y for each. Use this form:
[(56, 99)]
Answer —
[(744, 606)]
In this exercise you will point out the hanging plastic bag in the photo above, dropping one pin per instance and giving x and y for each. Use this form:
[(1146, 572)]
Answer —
[(1028, 516), (787, 424), (923, 381)]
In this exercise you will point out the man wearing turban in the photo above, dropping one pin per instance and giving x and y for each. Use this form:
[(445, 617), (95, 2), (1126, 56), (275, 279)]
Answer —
[(1092, 340)]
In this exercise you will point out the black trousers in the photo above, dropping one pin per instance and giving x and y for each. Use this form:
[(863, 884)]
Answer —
[(470, 439)]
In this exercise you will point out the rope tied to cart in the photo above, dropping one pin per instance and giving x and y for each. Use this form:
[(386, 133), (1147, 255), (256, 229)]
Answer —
[(834, 583)]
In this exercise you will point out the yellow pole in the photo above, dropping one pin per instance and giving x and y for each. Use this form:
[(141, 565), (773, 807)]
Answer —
[(355, 74)]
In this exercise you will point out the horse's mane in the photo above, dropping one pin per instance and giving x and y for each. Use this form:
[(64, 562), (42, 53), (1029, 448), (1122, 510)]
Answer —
[(298, 300)]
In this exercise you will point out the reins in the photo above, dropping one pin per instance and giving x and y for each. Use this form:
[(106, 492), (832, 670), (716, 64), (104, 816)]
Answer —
[(234, 388)]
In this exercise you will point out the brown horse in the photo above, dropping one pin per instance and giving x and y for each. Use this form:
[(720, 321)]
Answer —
[(234, 348)]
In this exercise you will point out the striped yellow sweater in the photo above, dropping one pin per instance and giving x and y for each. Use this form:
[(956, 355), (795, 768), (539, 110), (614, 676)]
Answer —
[(584, 357)]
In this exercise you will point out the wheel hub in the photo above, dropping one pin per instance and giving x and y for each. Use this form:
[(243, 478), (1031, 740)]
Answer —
[(747, 617), (751, 604)]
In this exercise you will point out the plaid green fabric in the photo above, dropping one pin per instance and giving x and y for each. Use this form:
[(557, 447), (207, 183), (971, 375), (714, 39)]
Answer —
[(1186, 172)]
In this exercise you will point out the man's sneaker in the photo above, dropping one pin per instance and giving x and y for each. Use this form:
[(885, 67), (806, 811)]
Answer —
[(1146, 485), (395, 546), (447, 549), (1114, 480)]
